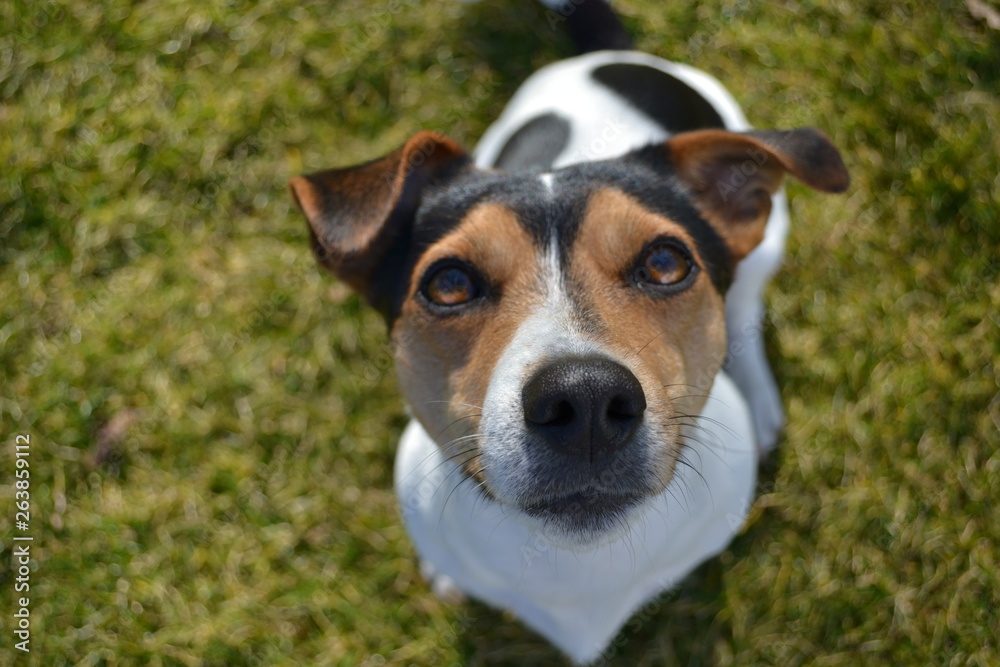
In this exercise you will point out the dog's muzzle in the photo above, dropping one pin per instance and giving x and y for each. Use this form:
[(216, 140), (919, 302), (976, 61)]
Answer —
[(581, 416)]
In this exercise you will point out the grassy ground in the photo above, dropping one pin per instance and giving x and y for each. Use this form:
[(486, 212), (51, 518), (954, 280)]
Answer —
[(212, 421)]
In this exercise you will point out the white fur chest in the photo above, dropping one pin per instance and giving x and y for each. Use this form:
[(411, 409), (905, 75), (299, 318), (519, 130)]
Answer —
[(580, 599)]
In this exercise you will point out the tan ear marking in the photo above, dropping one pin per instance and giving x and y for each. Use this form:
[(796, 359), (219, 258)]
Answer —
[(732, 176), (355, 213)]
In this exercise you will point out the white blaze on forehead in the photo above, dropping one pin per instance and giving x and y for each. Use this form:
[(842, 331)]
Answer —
[(547, 180), (551, 330)]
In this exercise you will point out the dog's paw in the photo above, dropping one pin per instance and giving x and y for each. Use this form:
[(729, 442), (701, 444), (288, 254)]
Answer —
[(443, 587)]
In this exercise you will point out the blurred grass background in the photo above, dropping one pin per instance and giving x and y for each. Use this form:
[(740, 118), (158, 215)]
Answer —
[(213, 420)]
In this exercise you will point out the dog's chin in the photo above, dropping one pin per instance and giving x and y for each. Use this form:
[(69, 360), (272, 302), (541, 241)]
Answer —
[(584, 520)]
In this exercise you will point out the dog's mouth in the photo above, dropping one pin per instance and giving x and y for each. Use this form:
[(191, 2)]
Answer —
[(584, 512), (571, 446)]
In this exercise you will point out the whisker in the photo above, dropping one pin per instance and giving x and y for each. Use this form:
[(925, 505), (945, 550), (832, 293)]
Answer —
[(450, 459), (468, 405), (683, 384), (456, 487), (685, 462), (683, 501), (707, 396), (712, 447), (482, 495), (662, 333), (629, 546), (682, 396), (505, 517), (434, 452), (659, 511), (455, 422), (714, 421), (462, 438)]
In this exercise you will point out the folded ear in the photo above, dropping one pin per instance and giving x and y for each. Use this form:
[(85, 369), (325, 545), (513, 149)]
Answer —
[(356, 213), (732, 176)]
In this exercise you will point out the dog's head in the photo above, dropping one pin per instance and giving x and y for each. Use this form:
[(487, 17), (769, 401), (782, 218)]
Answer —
[(553, 332)]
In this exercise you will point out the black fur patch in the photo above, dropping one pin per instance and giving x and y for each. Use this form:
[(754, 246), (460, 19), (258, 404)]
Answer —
[(537, 144), (665, 99), (442, 208), (593, 25), (645, 175)]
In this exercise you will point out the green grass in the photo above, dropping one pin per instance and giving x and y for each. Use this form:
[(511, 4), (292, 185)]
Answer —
[(239, 509)]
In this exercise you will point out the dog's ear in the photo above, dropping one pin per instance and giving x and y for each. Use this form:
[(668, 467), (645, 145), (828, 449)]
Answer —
[(356, 213), (732, 176)]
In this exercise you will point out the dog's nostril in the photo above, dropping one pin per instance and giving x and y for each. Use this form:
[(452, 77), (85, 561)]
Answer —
[(549, 412), (627, 407), (564, 414), (586, 407)]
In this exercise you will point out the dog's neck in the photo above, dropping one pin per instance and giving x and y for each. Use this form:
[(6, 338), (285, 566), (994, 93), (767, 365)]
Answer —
[(575, 596)]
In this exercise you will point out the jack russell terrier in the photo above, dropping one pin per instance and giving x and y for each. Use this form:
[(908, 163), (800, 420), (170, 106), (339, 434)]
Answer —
[(575, 316)]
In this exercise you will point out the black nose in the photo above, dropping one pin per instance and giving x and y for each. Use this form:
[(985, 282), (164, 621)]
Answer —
[(584, 407)]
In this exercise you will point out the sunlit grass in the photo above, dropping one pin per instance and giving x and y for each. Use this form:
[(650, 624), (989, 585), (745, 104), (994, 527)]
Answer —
[(213, 420)]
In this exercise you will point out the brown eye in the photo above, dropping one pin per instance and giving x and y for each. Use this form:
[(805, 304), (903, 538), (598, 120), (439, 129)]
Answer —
[(450, 286), (665, 265)]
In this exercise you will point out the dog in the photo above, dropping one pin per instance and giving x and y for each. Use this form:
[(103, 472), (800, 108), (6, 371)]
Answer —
[(575, 313)]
